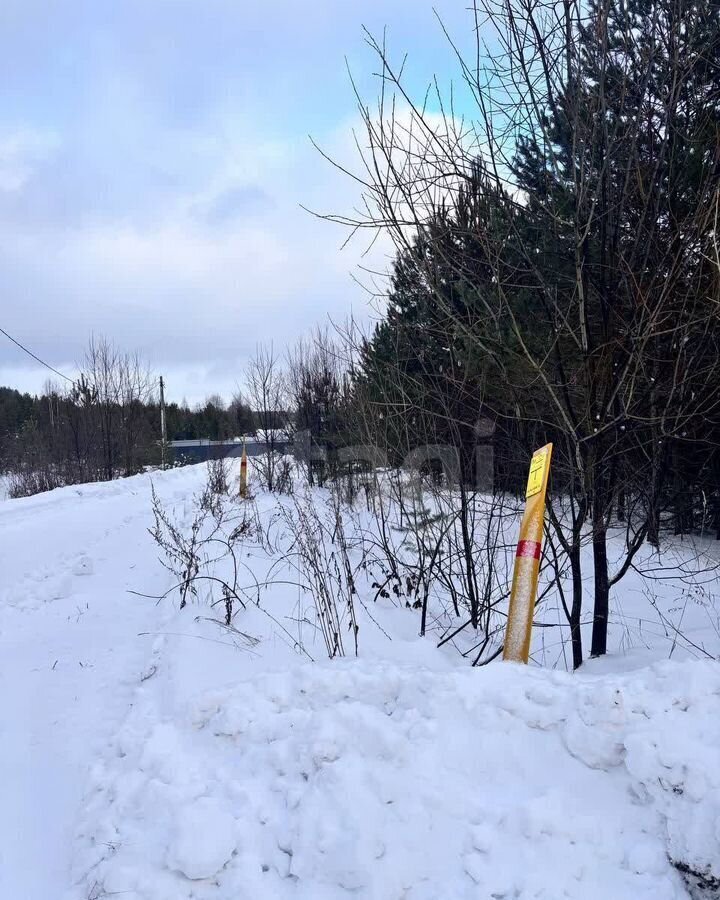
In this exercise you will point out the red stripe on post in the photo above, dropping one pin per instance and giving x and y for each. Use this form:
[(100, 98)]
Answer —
[(528, 550)]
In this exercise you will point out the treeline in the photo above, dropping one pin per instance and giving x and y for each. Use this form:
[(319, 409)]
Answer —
[(102, 426), (213, 419), (107, 423)]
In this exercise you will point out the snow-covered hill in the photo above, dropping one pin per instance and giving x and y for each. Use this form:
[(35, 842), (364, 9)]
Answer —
[(150, 753)]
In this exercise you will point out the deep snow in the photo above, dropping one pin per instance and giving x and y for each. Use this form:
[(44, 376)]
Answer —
[(150, 755)]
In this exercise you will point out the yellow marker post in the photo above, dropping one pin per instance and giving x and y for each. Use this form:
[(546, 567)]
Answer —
[(243, 473), (527, 560)]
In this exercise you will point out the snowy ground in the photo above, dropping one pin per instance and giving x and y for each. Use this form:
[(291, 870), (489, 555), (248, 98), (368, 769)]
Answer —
[(69, 663), (150, 754)]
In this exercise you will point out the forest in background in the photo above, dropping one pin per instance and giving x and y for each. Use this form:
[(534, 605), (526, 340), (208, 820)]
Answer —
[(104, 425)]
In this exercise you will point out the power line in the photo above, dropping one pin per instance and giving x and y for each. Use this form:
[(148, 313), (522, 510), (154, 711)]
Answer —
[(34, 356)]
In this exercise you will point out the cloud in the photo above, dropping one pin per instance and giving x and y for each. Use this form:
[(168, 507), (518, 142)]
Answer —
[(195, 293), (234, 202), (21, 151), (154, 158)]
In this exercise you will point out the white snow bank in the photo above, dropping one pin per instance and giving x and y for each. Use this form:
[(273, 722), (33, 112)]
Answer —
[(375, 780)]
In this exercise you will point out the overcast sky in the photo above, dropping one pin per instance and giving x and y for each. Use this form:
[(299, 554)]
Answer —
[(153, 157)]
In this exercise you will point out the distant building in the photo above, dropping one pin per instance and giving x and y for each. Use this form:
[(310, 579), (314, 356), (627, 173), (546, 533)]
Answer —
[(203, 449)]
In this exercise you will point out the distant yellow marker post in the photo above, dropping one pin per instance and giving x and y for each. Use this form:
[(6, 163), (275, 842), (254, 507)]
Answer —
[(243, 473), (527, 560)]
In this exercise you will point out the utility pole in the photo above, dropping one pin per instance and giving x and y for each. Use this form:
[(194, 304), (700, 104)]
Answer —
[(163, 428)]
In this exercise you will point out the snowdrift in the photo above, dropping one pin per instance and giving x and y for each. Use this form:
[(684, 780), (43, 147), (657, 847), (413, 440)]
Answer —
[(373, 780)]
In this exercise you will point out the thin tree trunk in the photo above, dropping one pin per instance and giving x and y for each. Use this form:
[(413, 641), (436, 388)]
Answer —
[(601, 608), (467, 552), (576, 608)]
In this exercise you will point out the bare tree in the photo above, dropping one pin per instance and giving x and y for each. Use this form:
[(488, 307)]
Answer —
[(119, 384), (265, 387), (135, 388)]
